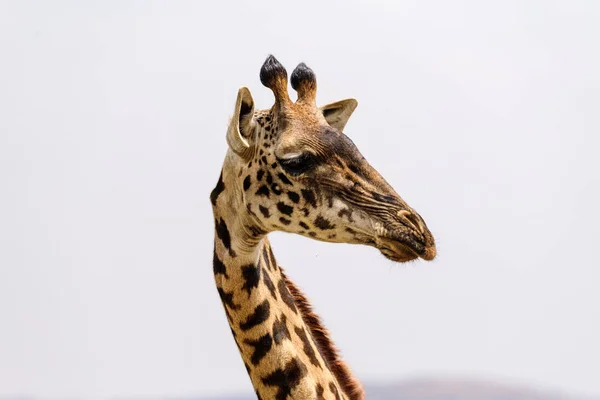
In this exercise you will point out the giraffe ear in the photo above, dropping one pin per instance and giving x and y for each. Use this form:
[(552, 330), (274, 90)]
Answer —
[(338, 113), (240, 126)]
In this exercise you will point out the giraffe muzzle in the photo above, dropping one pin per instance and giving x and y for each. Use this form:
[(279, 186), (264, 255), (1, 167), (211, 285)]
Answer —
[(408, 240)]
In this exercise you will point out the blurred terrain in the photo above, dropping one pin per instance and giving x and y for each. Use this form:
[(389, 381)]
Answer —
[(415, 389), (444, 389)]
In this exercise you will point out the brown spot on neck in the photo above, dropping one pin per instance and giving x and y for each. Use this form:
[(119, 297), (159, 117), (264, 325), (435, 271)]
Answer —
[(350, 385)]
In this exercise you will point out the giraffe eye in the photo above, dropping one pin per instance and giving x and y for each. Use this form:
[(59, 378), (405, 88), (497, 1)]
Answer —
[(297, 165)]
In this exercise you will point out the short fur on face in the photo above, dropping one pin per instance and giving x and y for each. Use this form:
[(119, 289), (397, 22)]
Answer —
[(291, 168), (300, 173)]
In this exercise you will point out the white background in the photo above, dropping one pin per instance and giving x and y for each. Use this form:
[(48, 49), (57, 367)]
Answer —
[(483, 116)]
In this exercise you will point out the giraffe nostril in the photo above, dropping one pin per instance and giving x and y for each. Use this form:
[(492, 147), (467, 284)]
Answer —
[(415, 221), (412, 220)]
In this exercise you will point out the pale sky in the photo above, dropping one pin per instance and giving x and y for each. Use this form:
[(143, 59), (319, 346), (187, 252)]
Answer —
[(483, 115)]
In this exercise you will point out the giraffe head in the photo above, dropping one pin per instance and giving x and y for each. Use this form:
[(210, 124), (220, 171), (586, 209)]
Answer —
[(297, 172)]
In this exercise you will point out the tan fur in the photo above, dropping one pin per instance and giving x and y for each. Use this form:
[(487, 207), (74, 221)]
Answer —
[(291, 168), (350, 385)]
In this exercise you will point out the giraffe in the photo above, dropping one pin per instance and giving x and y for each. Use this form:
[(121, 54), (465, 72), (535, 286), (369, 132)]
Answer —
[(290, 168)]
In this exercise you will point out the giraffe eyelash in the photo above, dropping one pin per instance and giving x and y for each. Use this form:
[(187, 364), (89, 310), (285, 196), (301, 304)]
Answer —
[(297, 165)]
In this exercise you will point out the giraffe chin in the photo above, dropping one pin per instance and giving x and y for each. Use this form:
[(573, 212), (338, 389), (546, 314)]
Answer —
[(403, 252)]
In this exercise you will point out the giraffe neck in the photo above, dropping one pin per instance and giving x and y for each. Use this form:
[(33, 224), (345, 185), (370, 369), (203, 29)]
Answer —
[(284, 347)]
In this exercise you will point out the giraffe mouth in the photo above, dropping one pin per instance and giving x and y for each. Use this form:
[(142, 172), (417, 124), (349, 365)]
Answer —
[(397, 251), (405, 249)]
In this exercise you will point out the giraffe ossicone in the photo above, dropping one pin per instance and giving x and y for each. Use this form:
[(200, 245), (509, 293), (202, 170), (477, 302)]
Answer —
[(290, 168)]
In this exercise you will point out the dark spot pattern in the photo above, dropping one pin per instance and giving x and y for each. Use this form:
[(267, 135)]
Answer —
[(319, 389), (269, 283), (285, 221), (286, 379), (286, 296), (217, 190), (263, 191), (304, 225), (346, 212), (261, 314), (294, 197), (271, 258), (323, 223), (280, 330), (334, 390), (251, 274), (259, 174), (309, 196), (284, 178), (261, 347), (223, 234), (284, 208), (218, 266), (264, 211), (308, 349), (267, 257), (227, 299), (247, 182), (275, 189)]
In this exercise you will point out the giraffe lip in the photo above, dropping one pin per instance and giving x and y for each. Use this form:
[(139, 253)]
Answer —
[(397, 251), (405, 248), (398, 256)]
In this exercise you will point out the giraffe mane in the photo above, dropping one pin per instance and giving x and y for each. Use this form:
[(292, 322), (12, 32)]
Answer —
[(350, 385)]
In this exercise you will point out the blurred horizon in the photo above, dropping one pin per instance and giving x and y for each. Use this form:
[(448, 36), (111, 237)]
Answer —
[(417, 388)]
